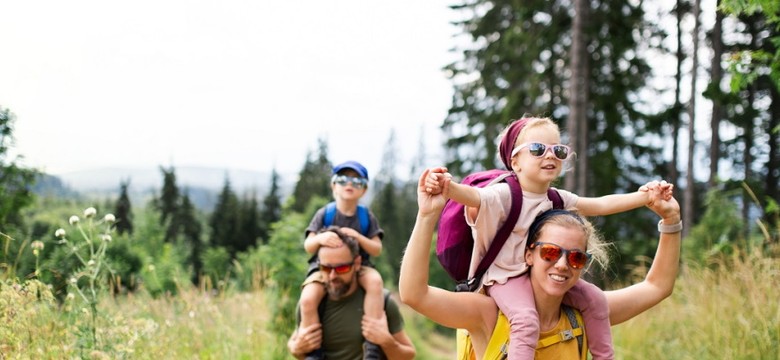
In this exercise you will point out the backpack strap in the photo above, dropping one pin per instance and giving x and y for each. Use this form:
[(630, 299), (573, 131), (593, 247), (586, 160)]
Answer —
[(362, 213), (555, 197), (575, 332), (501, 235)]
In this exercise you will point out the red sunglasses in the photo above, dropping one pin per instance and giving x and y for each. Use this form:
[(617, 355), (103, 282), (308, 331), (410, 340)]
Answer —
[(339, 268), (577, 259)]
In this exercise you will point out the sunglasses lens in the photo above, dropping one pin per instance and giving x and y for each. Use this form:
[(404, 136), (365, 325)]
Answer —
[(561, 152), (342, 269), (550, 252), (577, 259), (356, 182), (537, 149)]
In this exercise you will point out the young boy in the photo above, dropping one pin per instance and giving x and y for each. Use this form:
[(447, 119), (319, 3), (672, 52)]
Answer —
[(349, 183)]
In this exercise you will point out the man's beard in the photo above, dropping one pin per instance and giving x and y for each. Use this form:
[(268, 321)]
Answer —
[(338, 288)]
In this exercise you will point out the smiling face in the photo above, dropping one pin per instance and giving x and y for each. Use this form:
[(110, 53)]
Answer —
[(552, 279), (534, 172)]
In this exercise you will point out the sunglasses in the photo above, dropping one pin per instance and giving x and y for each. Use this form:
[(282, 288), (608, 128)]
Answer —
[(577, 259), (357, 182), (339, 269), (561, 152)]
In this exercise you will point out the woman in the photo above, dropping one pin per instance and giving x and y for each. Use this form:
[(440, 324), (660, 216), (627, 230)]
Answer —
[(551, 276)]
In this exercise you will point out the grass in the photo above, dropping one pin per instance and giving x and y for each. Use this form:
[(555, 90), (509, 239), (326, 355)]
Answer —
[(726, 310)]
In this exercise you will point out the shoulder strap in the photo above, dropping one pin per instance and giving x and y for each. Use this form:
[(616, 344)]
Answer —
[(503, 232), (555, 197), (365, 220), (566, 335), (330, 213), (572, 316), (362, 214)]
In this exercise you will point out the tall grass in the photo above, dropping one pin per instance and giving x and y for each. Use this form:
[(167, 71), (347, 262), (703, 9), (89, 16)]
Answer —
[(727, 309)]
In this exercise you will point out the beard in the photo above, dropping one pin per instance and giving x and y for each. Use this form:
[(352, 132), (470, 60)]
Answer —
[(337, 287)]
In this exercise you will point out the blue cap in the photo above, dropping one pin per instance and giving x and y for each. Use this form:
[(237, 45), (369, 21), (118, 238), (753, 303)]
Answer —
[(354, 165)]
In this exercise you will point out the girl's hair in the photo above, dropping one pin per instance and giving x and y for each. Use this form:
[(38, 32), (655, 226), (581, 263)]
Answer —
[(594, 243), (517, 130)]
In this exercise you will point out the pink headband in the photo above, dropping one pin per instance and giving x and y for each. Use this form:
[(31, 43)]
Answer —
[(509, 139)]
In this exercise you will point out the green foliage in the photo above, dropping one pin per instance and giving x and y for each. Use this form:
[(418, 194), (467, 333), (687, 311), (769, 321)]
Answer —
[(718, 229), (313, 179), (216, 265), (285, 262), (15, 183)]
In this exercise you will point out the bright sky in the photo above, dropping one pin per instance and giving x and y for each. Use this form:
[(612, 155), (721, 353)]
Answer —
[(245, 85)]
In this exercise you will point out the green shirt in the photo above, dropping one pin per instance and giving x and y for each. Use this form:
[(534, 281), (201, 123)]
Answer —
[(342, 337)]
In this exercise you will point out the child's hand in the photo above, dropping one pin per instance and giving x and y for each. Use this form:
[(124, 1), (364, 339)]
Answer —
[(329, 239), (657, 190), (434, 182), (348, 231)]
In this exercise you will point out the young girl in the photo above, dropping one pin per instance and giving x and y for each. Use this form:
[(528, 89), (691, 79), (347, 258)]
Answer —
[(531, 149)]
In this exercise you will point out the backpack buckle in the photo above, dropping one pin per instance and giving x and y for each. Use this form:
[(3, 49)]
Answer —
[(567, 335)]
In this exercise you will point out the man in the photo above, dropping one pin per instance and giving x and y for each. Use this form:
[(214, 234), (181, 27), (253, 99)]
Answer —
[(343, 326)]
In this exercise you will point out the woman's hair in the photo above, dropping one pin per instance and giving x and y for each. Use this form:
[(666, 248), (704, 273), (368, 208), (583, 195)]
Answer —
[(349, 241), (594, 243)]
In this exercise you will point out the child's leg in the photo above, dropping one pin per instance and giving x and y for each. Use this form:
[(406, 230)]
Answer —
[(516, 301), (371, 281), (592, 303), (312, 293)]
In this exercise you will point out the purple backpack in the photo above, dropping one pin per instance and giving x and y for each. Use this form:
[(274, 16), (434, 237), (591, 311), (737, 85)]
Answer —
[(455, 243)]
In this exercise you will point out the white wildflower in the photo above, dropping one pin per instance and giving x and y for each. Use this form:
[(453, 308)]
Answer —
[(90, 212), (60, 233), (109, 218), (73, 220), (106, 237)]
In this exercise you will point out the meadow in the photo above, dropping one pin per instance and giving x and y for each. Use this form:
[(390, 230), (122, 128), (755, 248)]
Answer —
[(727, 309)]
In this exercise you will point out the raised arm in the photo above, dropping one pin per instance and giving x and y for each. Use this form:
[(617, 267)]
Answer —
[(473, 310), (631, 301), (439, 181), (616, 203)]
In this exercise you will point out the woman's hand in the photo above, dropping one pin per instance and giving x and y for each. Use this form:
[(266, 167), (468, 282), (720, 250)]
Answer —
[(428, 202)]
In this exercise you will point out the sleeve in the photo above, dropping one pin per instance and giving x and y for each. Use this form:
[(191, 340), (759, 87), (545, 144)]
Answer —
[(373, 227), (569, 199), (395, 322), (315, 224)]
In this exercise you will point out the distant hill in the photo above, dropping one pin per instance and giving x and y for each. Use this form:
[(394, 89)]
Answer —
[(202, 184)]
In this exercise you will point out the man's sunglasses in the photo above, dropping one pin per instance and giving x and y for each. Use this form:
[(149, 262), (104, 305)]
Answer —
[(339, 268), (577, 259), (561, 152), (357, 182)]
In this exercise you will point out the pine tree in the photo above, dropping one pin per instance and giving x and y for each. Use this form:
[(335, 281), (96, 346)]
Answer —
[(249, 219), (272, 208), (168, 202), (15, 181), (123, 210), (225, 222), (191, 230), (313, 180)]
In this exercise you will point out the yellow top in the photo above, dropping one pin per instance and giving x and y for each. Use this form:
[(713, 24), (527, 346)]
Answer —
[(562, 335)]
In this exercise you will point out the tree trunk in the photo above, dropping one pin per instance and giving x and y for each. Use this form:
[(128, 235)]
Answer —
[(690, 185), (578, 99), (716, 73)]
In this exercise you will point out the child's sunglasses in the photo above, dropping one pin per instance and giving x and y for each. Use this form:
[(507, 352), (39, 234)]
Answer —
[(577, 259), (339, 269), (357, 182), (561, 152)]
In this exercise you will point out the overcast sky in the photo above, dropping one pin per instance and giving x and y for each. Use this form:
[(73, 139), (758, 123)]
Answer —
[(248, 84)]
